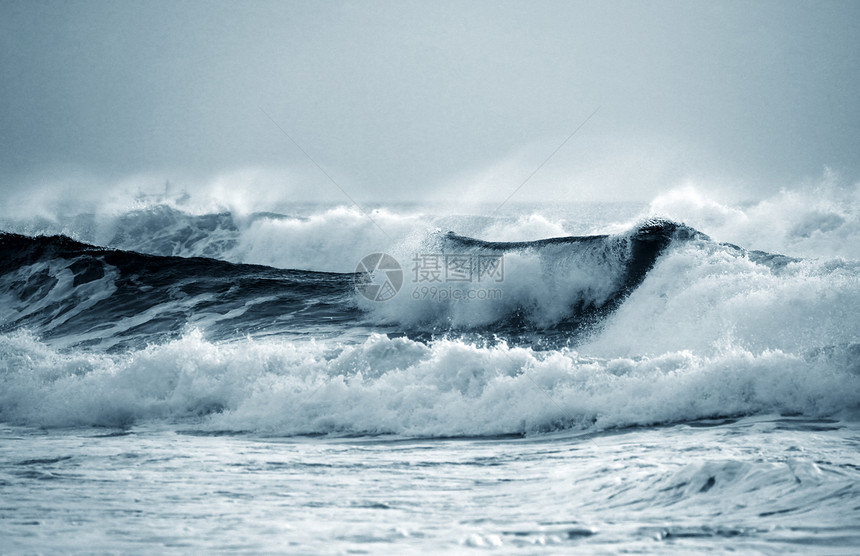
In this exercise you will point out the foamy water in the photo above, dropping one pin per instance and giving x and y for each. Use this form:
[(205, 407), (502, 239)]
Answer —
[(750, 485)]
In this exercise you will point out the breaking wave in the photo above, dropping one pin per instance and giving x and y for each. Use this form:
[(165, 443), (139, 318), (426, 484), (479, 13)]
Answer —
[(159, 315), (396, 385)]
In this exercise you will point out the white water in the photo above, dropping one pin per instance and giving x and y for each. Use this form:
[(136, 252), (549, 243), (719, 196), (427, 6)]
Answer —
[(399, 386), (820, 221)]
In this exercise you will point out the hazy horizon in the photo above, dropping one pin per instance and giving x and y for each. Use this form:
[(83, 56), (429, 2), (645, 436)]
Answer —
[(409, 101)]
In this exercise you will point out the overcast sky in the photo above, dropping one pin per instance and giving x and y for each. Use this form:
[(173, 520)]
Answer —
[(394, 99)]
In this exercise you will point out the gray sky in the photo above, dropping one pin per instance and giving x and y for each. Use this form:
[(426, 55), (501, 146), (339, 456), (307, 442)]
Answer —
[(395, 99)]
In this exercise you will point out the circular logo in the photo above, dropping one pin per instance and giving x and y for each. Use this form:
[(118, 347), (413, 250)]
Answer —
[(378, 277)]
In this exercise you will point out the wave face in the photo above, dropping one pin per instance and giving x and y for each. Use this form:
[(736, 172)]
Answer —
[(605, 325), (86, 295)]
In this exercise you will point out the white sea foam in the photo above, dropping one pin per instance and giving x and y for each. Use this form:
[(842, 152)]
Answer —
[(323, 237), (819, 221), (816, 222), (702, 296), (333, 240), (406, 387)]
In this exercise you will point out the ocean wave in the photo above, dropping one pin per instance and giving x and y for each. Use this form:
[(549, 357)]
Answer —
[(399, 386), (680, 292), (322, 238), (656, 287), (562, 282), (687, 328), (330, 239), (79, 294), (64, 287)]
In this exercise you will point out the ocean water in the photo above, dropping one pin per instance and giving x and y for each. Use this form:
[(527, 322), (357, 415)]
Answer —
[(681, 375)]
